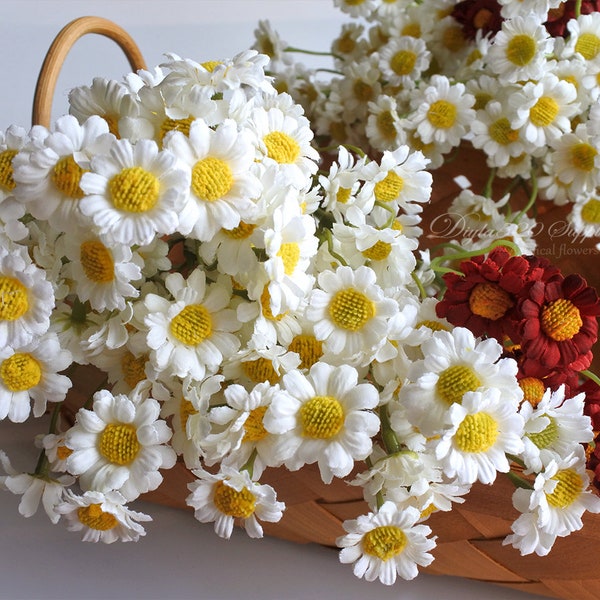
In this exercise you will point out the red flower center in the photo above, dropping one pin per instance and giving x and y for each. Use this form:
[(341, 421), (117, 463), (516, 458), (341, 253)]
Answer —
[(489, 300), (561, 320)]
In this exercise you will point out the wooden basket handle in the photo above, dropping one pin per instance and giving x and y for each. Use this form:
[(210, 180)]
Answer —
[(63, 42)]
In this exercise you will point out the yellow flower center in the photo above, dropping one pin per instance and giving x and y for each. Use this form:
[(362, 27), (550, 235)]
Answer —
[(281, 147), (588, 45), (239, 505), (211, 179), (544, 111), (453, 39), (66, 177), (241, 232), (561, 320), (403, 62), (384, 542), (211, 65), (119, 443), (94, 517), (362, 91), (182, 125), (583, 156), (254, 430), (14, 301), (442, 114), (490, 301), (133, 368), (570, 485), (20, 372), (521, 50), (502, 133), (309, 348), (265, 303), (7, 182), (379, 251), (260, 370), (547, 436), (351, 309), (454, 382), (428, 511), (186, 410), (192, 325), (477, 433), (134, 190), (290, 255), (473, 57), (389, 188), (346, 44), (481, 100), (433, 325), (97, 262), (533, 390), (62, 452), (412, 30), (590, 211), (343, 195), (386, 125), (354, 2), (322, 417)]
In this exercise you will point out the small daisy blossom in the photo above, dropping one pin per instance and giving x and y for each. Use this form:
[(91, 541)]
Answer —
[(585, 215), (120, 444), (31, 372), (102, 517), (403, 59), (324, 417), (135, 192), (232, 495), (482, 430), (387, 544)]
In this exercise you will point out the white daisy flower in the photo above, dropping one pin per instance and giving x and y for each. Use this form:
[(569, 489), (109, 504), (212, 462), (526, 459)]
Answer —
[(553, 428), (223, 189), (584, 37), (585, 215), (358, 8), (387, 544), (519, 50), (543, 109), (269, 43), (56, 451), (455, 364), (31, 372), (403, 59), (49, 177), (232, 495), (102, 517), (383, 128), (324, 417), (350, 312), (26, 297), (120, 444), (359, 85), (191, 334), (134, 193), (482, 430), (474, 213), (442, 111), (101, 273)]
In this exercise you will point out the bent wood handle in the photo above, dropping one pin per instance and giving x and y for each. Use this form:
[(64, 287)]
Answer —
[(63, 42)]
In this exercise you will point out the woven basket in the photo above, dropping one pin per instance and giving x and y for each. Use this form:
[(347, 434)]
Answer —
[(470, 537)]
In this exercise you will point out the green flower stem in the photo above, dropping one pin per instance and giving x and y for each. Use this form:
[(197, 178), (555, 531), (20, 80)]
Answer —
[(422, 290), (578, 8), (487, 190), (390, 441), (591, 376), (324, 70), (303, 51), (469, 253), (518, 481), (379, 499), (249, 466), (532, 198), (516, 460), (329, 239)]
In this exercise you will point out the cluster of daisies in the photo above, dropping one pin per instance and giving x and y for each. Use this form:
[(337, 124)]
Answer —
[(199, 278)]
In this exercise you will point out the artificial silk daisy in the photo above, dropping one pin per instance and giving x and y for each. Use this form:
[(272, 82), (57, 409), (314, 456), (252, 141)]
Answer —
[(350, 312), (120, 444), (223, 189), (455, 364), (102, 517), (134, 193), (383, 128), (231, 496), (386, 544), (325, 417), (192, 333), (481, 431), (31, 372), (584, 37), (585, 215), (403, 59)]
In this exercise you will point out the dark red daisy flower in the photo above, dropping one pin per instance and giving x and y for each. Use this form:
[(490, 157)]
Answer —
[(592, 401), (556, 25), (478, 15), (559, 325)]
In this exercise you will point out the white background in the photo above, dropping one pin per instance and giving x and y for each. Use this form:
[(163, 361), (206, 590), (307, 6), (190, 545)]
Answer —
[(179, 558)]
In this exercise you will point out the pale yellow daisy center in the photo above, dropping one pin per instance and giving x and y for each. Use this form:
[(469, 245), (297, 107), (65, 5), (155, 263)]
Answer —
[(322, 417), (211, 179), (590, 211), (94, 517), (133, 368), (350, 309), (7, 182), (20, 372), (412, 30), (403, 62), (239, 505), (442, 114), (192, 325), (547, 436), (134, 190), (362, 90), (378, 251), (211, 65), (119, 444), (260, 370), (490, 301), (588, 45), (66, 177), (14, 300), (433, 325), (386, 125), (384, 542), (97, 261), (290, 255), (254, 429), (568, 488), (502, 133), (476, 433), (389, 188), (454, 382), (241, 232), (281, 147), (309, 348), (182, 125), (533, 390), (544, 111), (521, 49), (561, 320), (343, 195), (583, 156), (186, 410)]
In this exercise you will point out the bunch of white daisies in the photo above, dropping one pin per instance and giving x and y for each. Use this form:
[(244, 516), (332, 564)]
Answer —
[(245, 302)]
